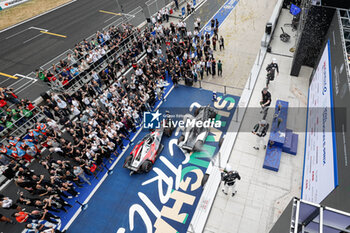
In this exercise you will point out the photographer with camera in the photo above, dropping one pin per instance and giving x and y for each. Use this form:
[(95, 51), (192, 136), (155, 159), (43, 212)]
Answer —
[(271, 69), (229, 176)]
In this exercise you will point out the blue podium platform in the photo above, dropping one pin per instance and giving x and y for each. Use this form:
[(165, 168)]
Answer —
[(279, 123), (281, 139), (294, 145), (272, 158), (288, 142)]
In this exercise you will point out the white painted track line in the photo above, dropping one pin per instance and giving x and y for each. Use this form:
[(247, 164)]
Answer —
[(25, 21)]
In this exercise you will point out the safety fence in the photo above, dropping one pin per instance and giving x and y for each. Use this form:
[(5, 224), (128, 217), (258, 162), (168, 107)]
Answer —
[(154, 6), (20, 127), (136, 17), (220, 88), (75, 84)]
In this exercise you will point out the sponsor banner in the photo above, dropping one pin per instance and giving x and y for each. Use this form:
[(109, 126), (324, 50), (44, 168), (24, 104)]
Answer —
[(10, 3), (319, 177)]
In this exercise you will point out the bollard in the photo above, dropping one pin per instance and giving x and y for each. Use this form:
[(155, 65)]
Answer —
[(225, 90)]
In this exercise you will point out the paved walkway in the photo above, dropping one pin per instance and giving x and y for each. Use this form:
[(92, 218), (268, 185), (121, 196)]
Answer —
[(262, 194)]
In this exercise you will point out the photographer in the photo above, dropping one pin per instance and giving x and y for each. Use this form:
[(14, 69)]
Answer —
[(229, 176), (260, 131), (271, 69)]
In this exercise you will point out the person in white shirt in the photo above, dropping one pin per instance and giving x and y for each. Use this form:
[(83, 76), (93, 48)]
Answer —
[(63, 106), (75, 110), (159, 51), (153, 20), (139, 72), (53, 124), (7, 203)]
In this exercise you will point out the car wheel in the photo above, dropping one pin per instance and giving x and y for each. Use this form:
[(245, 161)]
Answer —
[(167, 132), (196, 112), (204, 180), (146, 166), (213, 115), (198, 146), (128, 160), (181, 138), (220, 142)]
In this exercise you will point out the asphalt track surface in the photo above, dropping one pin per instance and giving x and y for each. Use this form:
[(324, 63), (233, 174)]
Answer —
[(24, 48)]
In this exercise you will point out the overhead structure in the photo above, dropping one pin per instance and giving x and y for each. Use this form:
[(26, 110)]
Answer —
[(302, 216)]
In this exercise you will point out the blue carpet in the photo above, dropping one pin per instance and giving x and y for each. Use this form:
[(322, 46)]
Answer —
[(125, 202)]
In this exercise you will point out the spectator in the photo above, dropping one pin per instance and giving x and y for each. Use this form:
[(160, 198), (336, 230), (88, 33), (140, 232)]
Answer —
[(221, 43), (80, 173), (219, 68)]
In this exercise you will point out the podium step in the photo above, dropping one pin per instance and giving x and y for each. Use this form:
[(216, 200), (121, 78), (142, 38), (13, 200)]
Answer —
[(288, 142), (272, 158), (294, 148)]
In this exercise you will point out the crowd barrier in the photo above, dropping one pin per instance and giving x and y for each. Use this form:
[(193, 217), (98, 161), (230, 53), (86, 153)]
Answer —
[(154, 6), (21, 126), (219, 88)]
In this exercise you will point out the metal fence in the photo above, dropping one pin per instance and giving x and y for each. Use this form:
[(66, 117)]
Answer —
[(152, 8), (56, 60), (219, 88), (20, 127), (136, 17)]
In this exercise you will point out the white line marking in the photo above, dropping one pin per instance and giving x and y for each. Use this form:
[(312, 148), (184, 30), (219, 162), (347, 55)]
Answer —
[(5, 80), (95, 189), (32, 38), (18, 80), (23, 76), (16, 33), (25, 85), (197, 7), (110, 18), (56, 8), (40, 29)]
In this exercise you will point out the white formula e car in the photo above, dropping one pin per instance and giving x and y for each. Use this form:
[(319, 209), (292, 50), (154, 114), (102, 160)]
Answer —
[(196, 131)]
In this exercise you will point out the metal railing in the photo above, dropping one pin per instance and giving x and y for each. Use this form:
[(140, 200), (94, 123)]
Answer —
[(78, 81), (21, 126), (225, 89), (135, 17)]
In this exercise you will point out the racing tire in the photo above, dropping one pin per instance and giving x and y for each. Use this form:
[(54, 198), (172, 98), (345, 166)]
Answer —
[(146, 166), (220, 142), (128, 160), (196, 112), (181, 138), (168, 132), (198, 146), (204, 180)]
